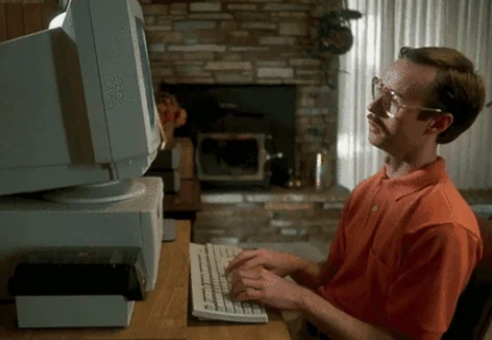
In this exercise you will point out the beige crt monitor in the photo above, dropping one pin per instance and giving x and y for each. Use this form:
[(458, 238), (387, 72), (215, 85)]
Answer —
[(82, 109), (78, 129)]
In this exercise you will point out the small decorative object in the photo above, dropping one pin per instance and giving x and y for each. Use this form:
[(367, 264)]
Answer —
[(294, 181), (333, 37), (334, 33), (171, 116), (320, 169)]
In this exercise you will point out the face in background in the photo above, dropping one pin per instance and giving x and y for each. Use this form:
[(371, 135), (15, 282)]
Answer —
[(403, 134)]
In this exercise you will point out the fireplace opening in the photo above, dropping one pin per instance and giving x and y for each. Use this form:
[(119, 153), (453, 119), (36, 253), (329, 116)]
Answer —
[(228, 156), (244, 135)]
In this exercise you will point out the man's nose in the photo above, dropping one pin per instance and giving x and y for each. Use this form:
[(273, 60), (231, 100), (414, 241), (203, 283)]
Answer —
[(377, 107)]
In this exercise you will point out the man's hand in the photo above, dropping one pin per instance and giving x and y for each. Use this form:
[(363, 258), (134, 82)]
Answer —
[(264, 286), (281, 264)]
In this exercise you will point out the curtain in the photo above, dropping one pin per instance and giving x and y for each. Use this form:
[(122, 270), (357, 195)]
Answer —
[(386, 26)]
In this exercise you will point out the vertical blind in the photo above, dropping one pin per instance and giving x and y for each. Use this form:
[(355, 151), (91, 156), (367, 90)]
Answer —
[(385, 27)]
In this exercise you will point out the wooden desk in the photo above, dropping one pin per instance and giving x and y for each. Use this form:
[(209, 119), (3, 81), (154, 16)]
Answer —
[(275, 329), (164, 315)]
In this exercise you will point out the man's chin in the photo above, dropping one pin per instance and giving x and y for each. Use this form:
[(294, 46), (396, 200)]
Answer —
[(373, 140), (376, 142)]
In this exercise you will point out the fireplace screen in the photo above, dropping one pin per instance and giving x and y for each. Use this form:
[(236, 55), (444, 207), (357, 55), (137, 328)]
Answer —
[(233, 127), (231, 156)]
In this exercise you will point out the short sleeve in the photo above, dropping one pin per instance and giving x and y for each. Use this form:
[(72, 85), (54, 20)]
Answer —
[(434, 270)]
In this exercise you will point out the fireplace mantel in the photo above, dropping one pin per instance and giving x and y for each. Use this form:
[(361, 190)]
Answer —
[(333, 197)]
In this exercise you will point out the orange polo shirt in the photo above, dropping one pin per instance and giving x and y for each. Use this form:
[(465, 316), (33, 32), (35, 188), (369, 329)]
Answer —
[(404, 252)]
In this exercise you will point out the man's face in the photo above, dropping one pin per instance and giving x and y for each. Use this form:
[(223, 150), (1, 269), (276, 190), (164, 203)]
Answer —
[(403, 133)]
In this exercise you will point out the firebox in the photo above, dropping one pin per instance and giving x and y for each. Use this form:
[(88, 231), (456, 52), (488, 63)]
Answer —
[(235, 157), (244, 135)]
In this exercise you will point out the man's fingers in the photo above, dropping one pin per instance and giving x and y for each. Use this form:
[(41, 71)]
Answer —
[(252, 263), (245, 255), (249, 294), (240, 274), (236, 261), (246, 284), (240, 277)]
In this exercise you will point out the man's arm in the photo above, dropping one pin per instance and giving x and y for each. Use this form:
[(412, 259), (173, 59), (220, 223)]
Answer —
[(309, 273), (338, 325)]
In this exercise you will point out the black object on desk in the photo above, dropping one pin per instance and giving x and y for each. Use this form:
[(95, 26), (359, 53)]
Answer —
[(80, 271)]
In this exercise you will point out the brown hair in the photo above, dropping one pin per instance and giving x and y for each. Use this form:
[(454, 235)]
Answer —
[(457, 89)]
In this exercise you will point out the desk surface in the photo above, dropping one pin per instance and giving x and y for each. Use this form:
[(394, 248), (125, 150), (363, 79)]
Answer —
[(217, 330), (164, 315)]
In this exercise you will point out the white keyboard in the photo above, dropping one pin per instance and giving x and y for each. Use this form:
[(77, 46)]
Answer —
[(210, 287)]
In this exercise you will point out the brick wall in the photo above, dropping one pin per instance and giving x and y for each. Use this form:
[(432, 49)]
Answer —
[(256, 42), (250, 42), (278, 216)]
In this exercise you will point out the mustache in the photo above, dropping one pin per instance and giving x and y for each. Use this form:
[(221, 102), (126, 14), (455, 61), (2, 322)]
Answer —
[(376, 123), (372, 118)]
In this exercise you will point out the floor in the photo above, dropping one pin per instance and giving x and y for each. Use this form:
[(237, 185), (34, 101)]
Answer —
[(315, 251)]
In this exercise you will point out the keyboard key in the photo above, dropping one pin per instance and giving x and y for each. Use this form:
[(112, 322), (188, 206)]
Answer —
[(229, 304), (257, 309), (221, 307), (238, 307), (247, 308), (217, 251), (223, 252), (209, 296), (209, 306), (224, 284)]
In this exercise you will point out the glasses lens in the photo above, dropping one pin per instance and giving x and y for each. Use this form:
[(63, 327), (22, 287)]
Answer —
[(379, 93), (387, 98), (376, 88), (393, 104)]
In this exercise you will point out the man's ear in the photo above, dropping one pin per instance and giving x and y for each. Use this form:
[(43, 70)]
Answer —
[(440, 123)]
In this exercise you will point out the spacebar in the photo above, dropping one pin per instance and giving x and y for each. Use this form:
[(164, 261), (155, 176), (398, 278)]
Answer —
[(215, 315)]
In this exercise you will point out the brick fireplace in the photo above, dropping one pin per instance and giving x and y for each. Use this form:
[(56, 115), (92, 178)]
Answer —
[(256, 42)]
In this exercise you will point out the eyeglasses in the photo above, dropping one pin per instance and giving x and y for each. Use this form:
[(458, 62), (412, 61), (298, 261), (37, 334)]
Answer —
[(390, 99)]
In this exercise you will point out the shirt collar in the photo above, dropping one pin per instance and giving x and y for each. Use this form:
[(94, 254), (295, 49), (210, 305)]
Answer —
[(429, 174)]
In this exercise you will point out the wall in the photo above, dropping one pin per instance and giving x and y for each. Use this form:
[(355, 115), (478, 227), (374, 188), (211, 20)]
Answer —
[(278, 216), (252, 42), (256, 42), (18, 18)]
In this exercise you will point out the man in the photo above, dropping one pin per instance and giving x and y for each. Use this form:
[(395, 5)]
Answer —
[(407, 241)]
